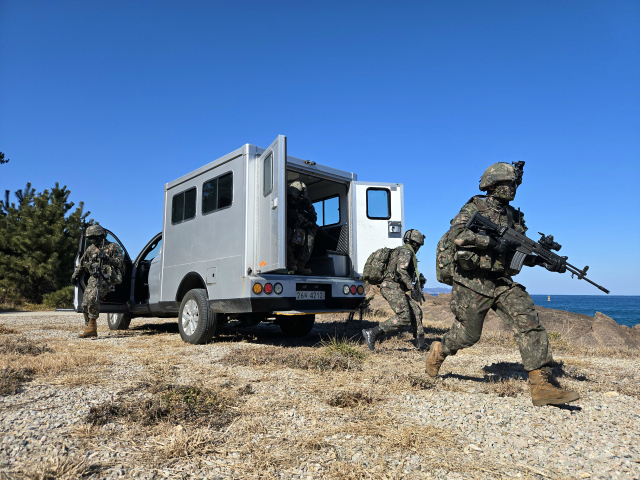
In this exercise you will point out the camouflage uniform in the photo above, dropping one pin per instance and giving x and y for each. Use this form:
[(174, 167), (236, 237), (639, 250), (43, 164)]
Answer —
[(113, 268), (301, 229), (482, 281), (399, 279)]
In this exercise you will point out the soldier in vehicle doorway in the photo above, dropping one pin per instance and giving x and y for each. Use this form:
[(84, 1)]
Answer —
[(101, 253), (482, 281), (301, 228), (402, 276)]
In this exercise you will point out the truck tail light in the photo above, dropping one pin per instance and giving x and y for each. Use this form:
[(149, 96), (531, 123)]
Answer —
[(268, 288), (277, 288), (360, 289), (353, 289), (257, 288), (345, 289)]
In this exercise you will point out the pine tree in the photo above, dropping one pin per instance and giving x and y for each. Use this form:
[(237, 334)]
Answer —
[(38, 241)]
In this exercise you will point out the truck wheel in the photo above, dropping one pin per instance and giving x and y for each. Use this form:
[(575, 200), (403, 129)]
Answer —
[(196, 322), (118, 321), (296, 325)]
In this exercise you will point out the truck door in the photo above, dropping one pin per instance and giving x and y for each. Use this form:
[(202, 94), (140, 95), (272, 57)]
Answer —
[(378, 210), (271, 198), (116, 300)]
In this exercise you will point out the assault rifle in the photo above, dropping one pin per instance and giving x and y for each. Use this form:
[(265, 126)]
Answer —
[(542, 248), (97, 272)]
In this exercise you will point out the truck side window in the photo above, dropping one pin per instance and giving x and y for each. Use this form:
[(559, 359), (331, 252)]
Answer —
[(217, 193), (183, 206), (268, 175), (378, 204), (328, 211)]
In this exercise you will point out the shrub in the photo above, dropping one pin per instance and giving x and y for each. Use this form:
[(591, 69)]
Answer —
[(62, 298)]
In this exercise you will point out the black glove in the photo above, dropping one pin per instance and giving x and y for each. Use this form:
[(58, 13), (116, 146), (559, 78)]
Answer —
[(560, 265), (502, 245)]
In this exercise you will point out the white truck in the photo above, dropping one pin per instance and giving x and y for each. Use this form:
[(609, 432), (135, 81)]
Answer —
[(221, 255)]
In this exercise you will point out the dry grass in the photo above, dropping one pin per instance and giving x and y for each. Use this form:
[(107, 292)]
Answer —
[(11, 379), (333, 354), (21, 346), (174, 404), (350, 399), (7, 330), (57, 468)]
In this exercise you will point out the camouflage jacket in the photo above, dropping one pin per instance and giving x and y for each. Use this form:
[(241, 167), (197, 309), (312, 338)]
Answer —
[(114, 259), (400, 268), (476, 265), (301, 215)]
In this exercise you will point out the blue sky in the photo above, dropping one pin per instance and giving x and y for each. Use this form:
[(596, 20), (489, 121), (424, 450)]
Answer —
[(115, 99)]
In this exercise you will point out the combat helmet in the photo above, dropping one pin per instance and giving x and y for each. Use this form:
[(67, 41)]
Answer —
[(96, 231), (501, 172), (414, 236), (297, 189)]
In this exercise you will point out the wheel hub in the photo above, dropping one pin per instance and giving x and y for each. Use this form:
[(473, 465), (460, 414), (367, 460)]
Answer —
[(190, 317)]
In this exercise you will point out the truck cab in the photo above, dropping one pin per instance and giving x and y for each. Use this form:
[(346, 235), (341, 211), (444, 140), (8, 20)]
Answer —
[(222, 252)]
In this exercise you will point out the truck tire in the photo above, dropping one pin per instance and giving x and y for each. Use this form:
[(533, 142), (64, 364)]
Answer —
[(296, 325), (196, 322), (118, 321)]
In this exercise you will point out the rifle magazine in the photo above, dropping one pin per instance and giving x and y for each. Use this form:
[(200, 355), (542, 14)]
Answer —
[(517, 261)]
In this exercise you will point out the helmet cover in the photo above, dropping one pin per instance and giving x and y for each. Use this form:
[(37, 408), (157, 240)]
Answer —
[(414, 236), (96, 231), (297, 189), (500, 172)]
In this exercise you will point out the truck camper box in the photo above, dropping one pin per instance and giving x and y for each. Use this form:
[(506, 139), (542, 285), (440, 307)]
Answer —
[(221, 255)]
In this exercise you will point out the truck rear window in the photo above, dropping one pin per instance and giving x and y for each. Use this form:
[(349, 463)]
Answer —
[(217, 193), (183, 206)]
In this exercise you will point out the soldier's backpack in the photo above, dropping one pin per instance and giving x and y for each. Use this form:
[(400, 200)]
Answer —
[(376, 266), (445, 251)]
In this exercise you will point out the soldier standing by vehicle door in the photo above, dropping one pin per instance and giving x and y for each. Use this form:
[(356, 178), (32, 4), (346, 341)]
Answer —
[(301, 228), (482, 281), (401, 276), (104, 262)]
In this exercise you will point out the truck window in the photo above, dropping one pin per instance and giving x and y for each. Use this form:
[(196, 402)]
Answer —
[(183, 206), (217, 193), (378, 204), (328, 211), (268, 175)]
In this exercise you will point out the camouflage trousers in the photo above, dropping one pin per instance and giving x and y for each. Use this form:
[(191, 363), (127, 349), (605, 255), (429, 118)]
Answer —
[(90, 305), (298, 254), (408, 312), (514, 306)]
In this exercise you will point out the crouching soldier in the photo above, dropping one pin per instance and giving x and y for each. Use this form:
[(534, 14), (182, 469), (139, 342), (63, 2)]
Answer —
[(301, 228), (399, 278), (100, 281)]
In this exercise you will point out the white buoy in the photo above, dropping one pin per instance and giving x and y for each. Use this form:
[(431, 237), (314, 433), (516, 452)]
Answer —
[(548, 298)]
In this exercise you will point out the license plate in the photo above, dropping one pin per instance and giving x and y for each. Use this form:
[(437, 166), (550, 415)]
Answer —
[(303, 295)]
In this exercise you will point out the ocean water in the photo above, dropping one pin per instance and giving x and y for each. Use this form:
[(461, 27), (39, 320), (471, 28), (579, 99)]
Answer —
[(623, 309)]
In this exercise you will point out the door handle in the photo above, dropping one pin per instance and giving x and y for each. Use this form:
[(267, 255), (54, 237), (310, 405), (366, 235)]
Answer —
[(274, 203)]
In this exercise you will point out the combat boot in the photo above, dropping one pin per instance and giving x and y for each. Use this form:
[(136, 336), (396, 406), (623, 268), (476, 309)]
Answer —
[(91, 330), (435, 359), (370, 336), (303, 271), (543, 393)]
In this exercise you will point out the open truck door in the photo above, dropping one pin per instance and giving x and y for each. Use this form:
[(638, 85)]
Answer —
[(116, 300), (378, 222), (271, 207)]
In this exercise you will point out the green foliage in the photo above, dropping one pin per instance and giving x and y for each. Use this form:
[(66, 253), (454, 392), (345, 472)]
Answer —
[(62, 298), (38, 241)]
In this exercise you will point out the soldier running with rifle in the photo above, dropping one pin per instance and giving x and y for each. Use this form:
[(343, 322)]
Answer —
[(488, 244)]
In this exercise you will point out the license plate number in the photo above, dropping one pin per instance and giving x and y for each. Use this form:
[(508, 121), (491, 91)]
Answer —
[(301, 295)]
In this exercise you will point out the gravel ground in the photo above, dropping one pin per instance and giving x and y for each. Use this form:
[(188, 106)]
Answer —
[(455, 427)]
